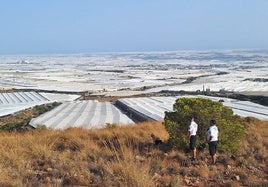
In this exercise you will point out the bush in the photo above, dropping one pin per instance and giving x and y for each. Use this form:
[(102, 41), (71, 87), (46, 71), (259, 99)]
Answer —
[(41, 109), (177, 122), (13, 126), (54, 104)]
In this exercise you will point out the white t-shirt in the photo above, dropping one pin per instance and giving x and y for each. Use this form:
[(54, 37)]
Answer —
[(193, 128), (213, 131)]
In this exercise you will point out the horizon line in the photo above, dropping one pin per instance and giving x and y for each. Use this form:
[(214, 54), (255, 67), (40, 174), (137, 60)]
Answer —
[(134, 51)]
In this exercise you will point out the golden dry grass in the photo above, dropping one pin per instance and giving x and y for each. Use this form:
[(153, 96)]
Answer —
[(125, 156)]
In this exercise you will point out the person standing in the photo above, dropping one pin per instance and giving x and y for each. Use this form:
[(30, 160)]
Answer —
[(212, 138), (192, 136)]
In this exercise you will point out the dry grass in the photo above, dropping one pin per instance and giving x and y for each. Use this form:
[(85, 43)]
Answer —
[(125, 156)]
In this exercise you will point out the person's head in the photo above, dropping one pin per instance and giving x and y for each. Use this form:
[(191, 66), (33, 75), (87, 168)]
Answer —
[(212, 122), (193, 117)]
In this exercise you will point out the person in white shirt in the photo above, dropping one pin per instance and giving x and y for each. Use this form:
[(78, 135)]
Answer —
[(212, 138), (192, 136)]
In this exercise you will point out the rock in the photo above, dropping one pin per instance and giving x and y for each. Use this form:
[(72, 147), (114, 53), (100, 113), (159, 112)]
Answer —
[(233, 157), (196, 182), (156, 176), (49, 169), (237, 178), (187, 181), (139, 158)]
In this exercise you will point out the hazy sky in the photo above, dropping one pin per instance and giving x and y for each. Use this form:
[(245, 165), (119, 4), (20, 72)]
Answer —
[(78, 26)]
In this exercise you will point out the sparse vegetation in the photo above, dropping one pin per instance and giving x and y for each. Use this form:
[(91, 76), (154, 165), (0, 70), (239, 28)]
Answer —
[(126, 156), (20, 121), (256, 79)]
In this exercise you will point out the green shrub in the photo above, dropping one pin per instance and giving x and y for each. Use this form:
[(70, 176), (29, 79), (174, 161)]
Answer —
[(54, 104), (177, 122), (41, 109), (15, 126)]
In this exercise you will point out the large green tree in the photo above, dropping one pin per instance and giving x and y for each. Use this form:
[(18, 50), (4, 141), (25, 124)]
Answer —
[(177, 122)]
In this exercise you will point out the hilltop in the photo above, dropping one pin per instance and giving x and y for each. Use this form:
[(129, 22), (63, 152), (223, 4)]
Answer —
[(126, 156)]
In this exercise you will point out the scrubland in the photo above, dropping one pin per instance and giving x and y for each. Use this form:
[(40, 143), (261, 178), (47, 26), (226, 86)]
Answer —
[(127, 156)]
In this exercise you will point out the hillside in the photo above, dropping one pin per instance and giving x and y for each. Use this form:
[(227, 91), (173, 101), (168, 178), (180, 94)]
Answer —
[(126, 156)]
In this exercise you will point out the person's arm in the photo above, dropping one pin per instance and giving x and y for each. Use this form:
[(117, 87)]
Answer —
[(189, 134), (210, 138)]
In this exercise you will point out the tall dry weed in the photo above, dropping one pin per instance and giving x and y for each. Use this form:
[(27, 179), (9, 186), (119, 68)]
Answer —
[(121, 156), (129, 168)]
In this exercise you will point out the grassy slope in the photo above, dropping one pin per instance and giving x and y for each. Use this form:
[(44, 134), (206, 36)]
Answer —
[(126, 156)]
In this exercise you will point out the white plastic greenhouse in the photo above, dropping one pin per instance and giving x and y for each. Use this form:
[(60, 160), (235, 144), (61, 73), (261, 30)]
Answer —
[(154, 108), (85, 114), (16, 101)]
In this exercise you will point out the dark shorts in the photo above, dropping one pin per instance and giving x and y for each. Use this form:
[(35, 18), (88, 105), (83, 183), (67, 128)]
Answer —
[(192, 142), (212, 148)]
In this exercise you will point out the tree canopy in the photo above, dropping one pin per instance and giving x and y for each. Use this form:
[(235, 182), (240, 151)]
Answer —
[(177, 122)]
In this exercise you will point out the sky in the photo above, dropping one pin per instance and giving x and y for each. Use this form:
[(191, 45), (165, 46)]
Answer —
[(84, 26)]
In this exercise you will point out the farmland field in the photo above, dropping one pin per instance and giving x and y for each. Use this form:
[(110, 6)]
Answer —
[(128, 74)]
